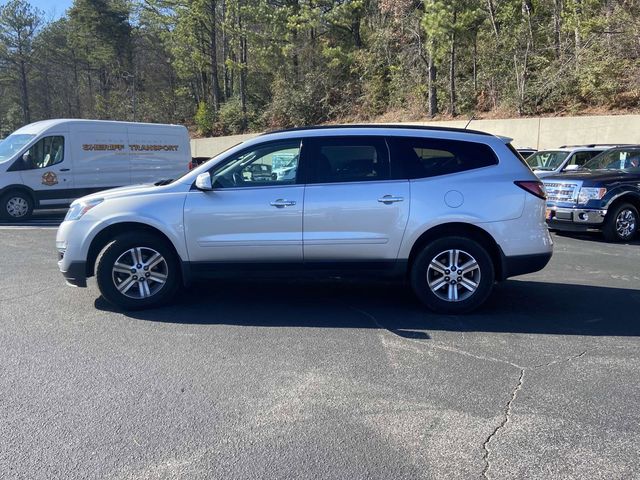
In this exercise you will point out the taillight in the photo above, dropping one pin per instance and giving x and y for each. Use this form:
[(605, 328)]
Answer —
[(533, 187), (190, 165)]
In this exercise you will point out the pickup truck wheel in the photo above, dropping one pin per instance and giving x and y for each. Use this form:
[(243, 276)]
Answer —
[(137, 270), (453, 275), (16, 205), (621, 223)]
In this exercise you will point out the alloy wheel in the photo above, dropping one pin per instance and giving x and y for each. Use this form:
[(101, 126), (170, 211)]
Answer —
[(140, 272), (625, 223), (453, 275)]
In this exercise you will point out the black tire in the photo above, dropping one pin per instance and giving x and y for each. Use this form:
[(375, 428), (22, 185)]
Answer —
[(158, 293), (483, 276), (621, 223), (8, 205)]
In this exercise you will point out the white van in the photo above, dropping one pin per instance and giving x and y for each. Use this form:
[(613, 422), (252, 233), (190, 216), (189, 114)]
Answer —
[(50, 163)]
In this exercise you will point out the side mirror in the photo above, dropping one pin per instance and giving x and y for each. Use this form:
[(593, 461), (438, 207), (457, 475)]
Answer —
[(203, 182), (569, 168)]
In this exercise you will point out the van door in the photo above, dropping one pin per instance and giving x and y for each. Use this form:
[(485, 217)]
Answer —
[(158, 152), (100, 156), (48, 170)]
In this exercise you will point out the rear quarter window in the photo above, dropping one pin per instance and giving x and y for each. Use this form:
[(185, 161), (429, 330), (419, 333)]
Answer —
[(430, 157)]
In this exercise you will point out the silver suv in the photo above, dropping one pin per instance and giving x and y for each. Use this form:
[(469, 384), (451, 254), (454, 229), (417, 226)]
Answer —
[(451, 211)]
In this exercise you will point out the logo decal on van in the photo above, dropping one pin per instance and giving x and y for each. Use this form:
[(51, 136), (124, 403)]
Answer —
[(49, 179)]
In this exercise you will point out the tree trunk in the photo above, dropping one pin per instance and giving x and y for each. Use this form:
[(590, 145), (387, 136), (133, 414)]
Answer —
[(492, 16), (295, 4), (433, 94), (243, 69), (213, 54), (225, 53), (24, 92), (557, 26), (452, 70), (578, 38), (475, 61)]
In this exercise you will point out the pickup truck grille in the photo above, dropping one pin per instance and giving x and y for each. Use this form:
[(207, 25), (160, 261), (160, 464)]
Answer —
[(566, 192)]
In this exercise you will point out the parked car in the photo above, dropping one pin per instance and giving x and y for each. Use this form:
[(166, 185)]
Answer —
[(50, 163), (545, 163), (257, 172), (603, 195), (526, 152), (450, 210)]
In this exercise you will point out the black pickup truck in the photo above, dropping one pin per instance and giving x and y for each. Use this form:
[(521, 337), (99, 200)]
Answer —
[(602, 195)]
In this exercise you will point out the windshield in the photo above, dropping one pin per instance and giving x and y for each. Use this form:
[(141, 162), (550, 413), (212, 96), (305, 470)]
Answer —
[(547, 160), (617, 159), (12, 144)]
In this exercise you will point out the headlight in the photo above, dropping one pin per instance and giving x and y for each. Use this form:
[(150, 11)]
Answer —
[(590, 193), (78, 209)]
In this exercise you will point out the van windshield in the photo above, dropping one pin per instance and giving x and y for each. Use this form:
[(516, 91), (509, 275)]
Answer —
[(12, 144), (547, 160)]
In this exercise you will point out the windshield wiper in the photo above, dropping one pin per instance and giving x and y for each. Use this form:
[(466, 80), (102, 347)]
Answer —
[(164, 181)]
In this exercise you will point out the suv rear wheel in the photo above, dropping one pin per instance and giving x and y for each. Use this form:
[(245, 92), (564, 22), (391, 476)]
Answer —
[(453, 275), (621, 223), (137, 270)]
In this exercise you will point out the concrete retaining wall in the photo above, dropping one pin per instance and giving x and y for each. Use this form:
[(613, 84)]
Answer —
[(538, 133)]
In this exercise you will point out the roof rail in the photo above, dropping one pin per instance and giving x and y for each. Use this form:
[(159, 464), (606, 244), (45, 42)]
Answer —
[(382, 126), (593, 145)]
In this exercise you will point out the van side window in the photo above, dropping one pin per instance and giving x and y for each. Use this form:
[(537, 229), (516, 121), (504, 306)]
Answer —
[(348, 159), (46, 152), (430, 157)]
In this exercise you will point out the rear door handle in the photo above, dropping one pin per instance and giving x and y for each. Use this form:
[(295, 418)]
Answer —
[(389, 199), (281, 203)]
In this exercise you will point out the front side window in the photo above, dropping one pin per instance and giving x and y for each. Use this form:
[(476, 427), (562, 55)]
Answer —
[(348, 159), (430, 157), (263, 165), (46, 152)]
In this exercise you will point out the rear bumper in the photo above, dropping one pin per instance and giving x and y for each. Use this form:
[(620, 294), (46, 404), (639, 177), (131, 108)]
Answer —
[(521, 264), (75, 274)]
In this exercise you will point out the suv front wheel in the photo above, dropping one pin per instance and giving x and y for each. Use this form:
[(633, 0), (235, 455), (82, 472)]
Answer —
[(137, 270), (453, 275)]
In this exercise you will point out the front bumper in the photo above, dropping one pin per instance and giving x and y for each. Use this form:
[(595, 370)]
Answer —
[(75, 273), (72, 259), (575, 219)]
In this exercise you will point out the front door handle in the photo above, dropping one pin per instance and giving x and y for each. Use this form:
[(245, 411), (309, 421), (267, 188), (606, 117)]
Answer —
[(281, 203), (65, 169), (389, 199)]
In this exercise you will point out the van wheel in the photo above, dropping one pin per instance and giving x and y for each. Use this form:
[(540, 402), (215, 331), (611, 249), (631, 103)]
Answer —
[(137, 270), (16, 205), (453, 275), (621, 223)]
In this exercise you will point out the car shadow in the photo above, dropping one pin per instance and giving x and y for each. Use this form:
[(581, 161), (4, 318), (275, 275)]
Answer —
[(516, 306), (593, 237)]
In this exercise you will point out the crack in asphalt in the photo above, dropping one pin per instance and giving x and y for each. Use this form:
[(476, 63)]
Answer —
[(514, 392), (505, 420)]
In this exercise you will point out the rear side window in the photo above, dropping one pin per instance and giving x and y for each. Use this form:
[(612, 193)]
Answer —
[(430, 157), (580, 158), (347, 159)]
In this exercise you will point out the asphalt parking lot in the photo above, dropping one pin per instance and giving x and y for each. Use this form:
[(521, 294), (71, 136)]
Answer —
[(321, 379)]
